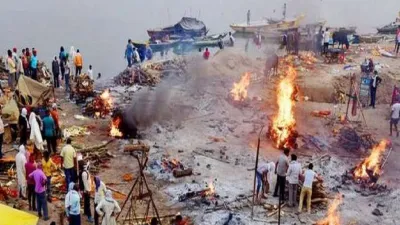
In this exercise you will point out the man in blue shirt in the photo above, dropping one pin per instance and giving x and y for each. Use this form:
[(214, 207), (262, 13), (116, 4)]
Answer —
[(129, 53), (73, 205), (49, 130), (34, 64)]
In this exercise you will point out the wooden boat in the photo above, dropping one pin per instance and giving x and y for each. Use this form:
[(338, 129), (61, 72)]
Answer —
[(187, 26), (389, 29), (212, 37), (346, 30), (264, 25)]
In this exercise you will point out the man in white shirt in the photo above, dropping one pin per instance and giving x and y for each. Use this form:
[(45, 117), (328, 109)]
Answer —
[(293, 179), (263, 175), (306, 190), (327, 37), (90, 72), (87, 188), (394, 120), (231, 39)]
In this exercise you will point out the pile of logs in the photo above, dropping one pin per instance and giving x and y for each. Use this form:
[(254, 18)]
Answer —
[(150, 73)]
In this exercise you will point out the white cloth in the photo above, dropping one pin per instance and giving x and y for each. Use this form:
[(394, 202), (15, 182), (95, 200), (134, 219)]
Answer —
[(20, 161), (90, 73), (87, 182), (136, 55), (100, 193), (327, 37), (396, 111), (294, 172), (35, 135), (109, 208), (309, 176), (374, 81)]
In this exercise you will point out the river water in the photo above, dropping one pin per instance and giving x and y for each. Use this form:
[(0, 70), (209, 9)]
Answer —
[(100, 28)]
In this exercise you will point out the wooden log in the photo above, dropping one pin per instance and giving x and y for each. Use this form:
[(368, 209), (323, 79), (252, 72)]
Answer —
[(182, 173), (276, 211), (319, 200), (94, 148), (136, 147), (116, 191)]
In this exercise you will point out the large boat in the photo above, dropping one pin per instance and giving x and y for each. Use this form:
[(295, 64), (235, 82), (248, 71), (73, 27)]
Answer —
[(186, 27), (264, 25), (389, 29)]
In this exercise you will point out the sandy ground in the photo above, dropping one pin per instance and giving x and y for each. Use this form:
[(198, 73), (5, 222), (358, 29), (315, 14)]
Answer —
[(191, 112)]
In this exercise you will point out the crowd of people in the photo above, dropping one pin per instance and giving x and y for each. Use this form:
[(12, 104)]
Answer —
[(287, 172), (24, 63), (135, 55)]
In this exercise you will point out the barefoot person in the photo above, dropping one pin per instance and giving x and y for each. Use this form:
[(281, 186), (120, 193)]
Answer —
[(394, 119)]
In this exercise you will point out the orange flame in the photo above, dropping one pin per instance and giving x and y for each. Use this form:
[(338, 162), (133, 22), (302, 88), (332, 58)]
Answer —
[(239, 90), (283, 123), (332, 217), (106, 97), (372, 163), (211, 190), (115, 132)]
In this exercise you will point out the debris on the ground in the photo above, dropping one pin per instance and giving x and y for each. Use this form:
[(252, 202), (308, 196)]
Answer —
[(75, 131)]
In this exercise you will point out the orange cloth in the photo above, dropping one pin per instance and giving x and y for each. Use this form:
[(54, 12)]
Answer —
[(78, 60), (54, 115)]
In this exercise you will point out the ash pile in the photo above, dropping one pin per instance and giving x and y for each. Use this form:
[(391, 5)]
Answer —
[(151, 73), (351, 140)]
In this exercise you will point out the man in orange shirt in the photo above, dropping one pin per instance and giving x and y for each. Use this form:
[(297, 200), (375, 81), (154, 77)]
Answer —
[(78, 63)]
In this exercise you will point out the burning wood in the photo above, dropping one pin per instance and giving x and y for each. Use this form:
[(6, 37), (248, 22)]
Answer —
[(208, 192), (282, 130), (239, 90), (115, 124), (370, 167), (332, 217), (101, 105)]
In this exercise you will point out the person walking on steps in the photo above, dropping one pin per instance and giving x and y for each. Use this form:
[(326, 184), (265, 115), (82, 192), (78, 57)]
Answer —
[(281, 169)]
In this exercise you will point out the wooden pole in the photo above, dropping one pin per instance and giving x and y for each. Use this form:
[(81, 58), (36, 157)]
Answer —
[(348, 102), (255, 171)]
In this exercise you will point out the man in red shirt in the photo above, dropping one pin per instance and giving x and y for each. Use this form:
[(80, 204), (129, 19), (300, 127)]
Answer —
[(206, 54)]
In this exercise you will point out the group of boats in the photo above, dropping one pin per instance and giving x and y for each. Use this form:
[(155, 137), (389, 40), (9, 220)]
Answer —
[(190, 33)]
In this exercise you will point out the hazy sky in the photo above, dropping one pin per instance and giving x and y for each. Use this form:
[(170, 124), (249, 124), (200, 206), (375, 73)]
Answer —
[(100, 28)]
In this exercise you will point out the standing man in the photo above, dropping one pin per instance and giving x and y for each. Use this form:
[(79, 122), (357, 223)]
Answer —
[(327, 38), (67, 71), (231, 39), (373, 86), (63, 61), (68, 155), (1, 135), (34, 64), (281, 168), (30, 166), (55, 66), (12, 70), (394, 119), (49, 130), (78, 63), (54, 115), (397, 39), (40, 190), (248, 17), (90, 72), (86, 187), (306, 190), (23, 127), (129, 52), (73, 205), (293, 174), (17, 61), (20, 161), (25, 63), (108, 208), (48, 167), (99, 194)]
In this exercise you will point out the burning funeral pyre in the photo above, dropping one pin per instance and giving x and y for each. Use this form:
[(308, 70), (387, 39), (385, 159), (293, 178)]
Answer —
[(370, 168), (282, 129), (100, 106), (206, 196), (239, 90), (115, 124), (368, 171), (332, 217)]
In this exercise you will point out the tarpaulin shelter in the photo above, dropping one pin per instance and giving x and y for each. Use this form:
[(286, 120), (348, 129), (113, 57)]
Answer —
[(11, 216), (189, 25), (32, 93)]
